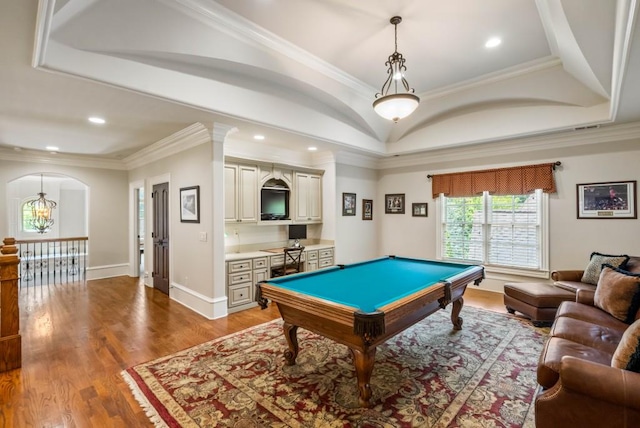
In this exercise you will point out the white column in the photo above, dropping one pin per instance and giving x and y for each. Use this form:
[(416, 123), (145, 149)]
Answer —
[(219, 134)]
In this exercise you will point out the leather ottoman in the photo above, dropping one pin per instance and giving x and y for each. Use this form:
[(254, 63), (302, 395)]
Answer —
[(537, 300)]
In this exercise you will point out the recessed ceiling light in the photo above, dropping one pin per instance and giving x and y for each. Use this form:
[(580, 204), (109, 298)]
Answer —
[(52, 148), (258, 137), (312, 149), (492, 42), (97, 120)]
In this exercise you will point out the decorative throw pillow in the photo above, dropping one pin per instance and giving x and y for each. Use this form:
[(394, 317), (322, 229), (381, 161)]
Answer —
[(592, 271), (618, 293), (627, 355)]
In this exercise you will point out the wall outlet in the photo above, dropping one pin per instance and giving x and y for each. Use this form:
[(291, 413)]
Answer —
[(186, 280), (203, 236)]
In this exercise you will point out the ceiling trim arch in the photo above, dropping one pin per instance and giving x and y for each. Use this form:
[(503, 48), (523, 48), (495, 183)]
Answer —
[(232, 24), (248, 76)]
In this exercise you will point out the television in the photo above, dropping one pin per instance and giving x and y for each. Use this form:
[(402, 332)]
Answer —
[(297, 232), (274, 204)]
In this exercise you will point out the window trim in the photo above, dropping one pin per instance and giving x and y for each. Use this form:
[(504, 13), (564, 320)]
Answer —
[(542, 272)]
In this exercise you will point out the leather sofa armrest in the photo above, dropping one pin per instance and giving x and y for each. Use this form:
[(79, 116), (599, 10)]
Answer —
[(602, 382), (586, 297), (590, 394), (567, 275)]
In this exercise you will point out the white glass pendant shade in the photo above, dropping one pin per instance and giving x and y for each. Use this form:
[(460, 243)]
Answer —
[(396, 106)]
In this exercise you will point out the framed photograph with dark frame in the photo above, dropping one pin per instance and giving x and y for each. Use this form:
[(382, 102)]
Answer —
[(348, 204), (419, 209), (394, 203), (190, 204), (609, 200), (367, 209)]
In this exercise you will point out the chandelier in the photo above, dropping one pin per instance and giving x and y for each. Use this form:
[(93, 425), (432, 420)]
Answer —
[(41, 209), (390, 103)]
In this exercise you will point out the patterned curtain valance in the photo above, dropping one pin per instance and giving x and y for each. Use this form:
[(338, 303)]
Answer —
[(518, 180)]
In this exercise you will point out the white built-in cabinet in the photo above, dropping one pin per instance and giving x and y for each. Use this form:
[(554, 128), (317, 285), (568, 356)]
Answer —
[(244, 273), (243, 183), (241, 193), (308, 198)]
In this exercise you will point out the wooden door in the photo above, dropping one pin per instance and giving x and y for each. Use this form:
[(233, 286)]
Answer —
[(160, 235)]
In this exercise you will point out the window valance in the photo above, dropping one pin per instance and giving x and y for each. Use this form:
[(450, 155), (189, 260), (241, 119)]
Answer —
[(517, 180)]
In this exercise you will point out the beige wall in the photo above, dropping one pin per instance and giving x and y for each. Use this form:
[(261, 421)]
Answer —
[(571, 240), (108, 221), (356, 239), (190, 263)]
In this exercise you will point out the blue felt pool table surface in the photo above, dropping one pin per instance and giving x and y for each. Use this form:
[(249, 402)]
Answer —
[(372, 284)]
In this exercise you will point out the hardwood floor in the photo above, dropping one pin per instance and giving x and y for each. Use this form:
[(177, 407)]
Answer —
[(77, 338)]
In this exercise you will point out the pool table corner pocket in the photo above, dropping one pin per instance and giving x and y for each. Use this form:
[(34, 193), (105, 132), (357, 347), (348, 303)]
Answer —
[(368, 325)]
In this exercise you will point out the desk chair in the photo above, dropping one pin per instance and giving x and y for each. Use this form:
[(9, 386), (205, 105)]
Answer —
[(292, 262)]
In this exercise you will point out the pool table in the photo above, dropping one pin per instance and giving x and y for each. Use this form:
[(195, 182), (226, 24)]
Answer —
[(361, 305)]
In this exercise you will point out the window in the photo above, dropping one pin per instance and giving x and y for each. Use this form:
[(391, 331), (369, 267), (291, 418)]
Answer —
[(27, 216), (505, 232)]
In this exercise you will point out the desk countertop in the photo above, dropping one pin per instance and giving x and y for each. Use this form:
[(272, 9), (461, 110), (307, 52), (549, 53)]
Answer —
[(269, 252)]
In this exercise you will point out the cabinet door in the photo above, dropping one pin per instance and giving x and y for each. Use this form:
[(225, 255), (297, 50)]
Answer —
[(240, 193), (248, 194), (260, 275), (302, 197), (311, 265), (231, 193), (308, 198), (314, 198)]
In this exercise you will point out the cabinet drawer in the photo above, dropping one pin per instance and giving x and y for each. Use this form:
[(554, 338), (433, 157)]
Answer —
[(238, 278), (260, 263), (277, 260), (327, 252), (312, 255), (240, 294), (239, 266), (325, 262)]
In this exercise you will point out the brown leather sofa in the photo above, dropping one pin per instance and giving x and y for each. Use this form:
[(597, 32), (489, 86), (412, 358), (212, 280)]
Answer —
[(579, 386)]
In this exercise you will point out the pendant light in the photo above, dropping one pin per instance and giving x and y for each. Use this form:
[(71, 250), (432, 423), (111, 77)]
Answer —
[(395, 100), (41, 211)]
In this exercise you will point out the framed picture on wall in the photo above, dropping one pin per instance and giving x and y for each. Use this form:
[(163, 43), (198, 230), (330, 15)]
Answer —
[(367, 209), (348, 204), (419, 209), (190, 204), (394, 203), (611, 200)]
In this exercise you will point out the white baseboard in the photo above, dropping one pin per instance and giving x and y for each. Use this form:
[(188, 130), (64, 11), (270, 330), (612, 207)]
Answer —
[(107, 271), (208, 307)]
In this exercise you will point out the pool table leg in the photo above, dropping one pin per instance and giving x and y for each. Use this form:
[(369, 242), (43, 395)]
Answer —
[(364, 367), (291, 334), (456, 319)]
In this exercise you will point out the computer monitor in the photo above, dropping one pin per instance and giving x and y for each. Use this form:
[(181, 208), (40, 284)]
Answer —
[(297, 232)]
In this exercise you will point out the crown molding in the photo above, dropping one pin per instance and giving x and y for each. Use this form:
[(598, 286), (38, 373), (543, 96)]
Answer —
[(185, 139), (625, 27), (222, 19), (43, 28), (37, 156), (357, 159), (573, 138)]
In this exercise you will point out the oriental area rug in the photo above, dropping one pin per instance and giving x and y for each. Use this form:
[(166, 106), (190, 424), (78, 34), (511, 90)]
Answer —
[(427, 376)]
